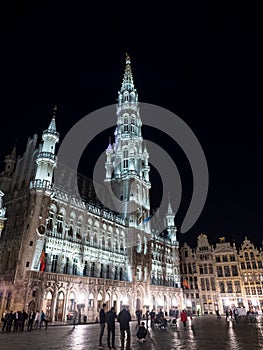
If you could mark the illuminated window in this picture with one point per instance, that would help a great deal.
(237, 286)
(222, 287)
(234, 270)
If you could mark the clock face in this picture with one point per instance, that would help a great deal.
(41, 229)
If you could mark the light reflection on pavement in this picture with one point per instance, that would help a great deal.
(205, 333)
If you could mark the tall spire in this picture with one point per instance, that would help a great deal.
(169, 209)
(128, 92)
(127, 82)
(52, 125)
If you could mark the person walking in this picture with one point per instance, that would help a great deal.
(218, 314)
(184, 318)
(43, 319)
(227, 315)
(102, 324)
(124, 318)
(110, 320)
(75, 316)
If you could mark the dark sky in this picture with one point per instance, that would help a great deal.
(201, 60)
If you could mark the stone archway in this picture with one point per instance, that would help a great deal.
(32, 306)
(59, 307)
(48, 306)
(138, 304)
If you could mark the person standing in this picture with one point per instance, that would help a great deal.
(124, 318)
(138, 316)
(152, 317)
(110, 320)
(184, 318)
(22, 319)
(102, 324)
(235, 312)
(16, 316)
(4, 320)
(147, 314)
(37, 319)
(31, 318)
(10, 318)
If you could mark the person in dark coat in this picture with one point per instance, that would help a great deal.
(141, 333)
(124, 318)
(4, 320)
(22, 319)
(9, 321)
(31, 319)
(102, 324)
(110, 320)
(138, 314)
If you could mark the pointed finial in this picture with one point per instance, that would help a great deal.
(54, 111)
(109, 148)
(169, 210)
(128, 60)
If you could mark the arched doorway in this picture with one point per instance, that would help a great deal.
(154, 303)
(114, 301)
(48, 305)
(31, 306)
(72, 302)
(99, 302)
(138, 304)
(165, 304)
(59, 307)
(107, 300)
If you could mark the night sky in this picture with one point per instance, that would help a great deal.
(203, 61)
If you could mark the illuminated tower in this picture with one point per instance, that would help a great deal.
(127, 169)
(46, 159)
(171, 228)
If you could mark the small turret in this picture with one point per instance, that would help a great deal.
(171, 228)
(46, 159)
(109, 164)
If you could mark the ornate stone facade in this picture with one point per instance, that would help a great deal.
(222, 276)
(58, 252)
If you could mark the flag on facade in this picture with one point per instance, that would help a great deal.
(186, 284)
(43, 260)
(147, 219)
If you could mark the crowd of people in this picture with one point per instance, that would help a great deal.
(150, 319)
(16, 321)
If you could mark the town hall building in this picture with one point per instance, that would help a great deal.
(59, 253)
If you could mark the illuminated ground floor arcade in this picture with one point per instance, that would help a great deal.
(58, 295)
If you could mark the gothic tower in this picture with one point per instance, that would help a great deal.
(127, 169)
(127, 172)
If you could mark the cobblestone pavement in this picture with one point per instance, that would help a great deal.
(206, 333)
